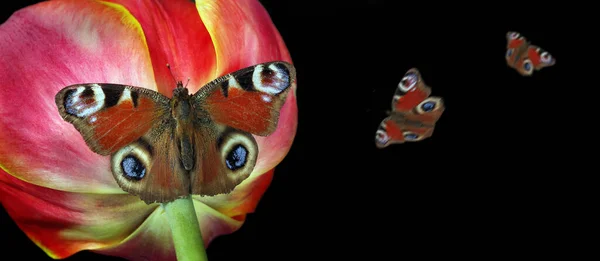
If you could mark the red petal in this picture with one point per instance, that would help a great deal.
(175, 35)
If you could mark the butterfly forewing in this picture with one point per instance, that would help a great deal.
(249, 99)
(110, 116)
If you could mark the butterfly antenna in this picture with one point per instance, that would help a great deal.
(187, 83)
(169, 67)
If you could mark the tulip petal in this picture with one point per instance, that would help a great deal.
(63, 223)
(153, 239)
(48, 46)
(175, 35)
(244, 35)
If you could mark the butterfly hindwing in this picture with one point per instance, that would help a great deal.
(396, 129)
(227, 157)
(151, 167)
(524, 57)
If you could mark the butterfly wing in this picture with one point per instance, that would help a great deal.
(248, 99)
(410, 92)
(397, 129)
(539, 57)
(134, 126)
(110, 116)
(516, 49)
(229, 110)
(413, 115)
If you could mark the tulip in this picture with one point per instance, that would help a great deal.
(63, 195)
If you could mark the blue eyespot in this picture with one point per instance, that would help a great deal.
(428, 106)
(237, 157)
(133, 168)
(509, 53)
(411, 136)
(527, 66)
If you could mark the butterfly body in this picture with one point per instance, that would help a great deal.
(164, 148)
(525, 57)
(413, 114)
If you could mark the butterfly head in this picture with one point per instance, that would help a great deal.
(181, 103)
(179, 83)
(180, 91)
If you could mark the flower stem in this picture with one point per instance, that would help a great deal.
(185, 228)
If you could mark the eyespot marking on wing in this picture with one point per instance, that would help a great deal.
(272, 79)
(428, 105)
(411, 136)
(527, 66)
(381, 137)
(132, 162)
(408, 82)
(84, 101)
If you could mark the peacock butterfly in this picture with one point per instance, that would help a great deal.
(413, 114)
(164, 148)
(524, 57)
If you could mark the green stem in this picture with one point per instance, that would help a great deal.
(187, 236)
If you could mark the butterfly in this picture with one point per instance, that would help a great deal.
(413, 114)
(524, 57)
(165, 148)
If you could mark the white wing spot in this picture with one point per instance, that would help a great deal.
(256, 77)
(234, 83)
(125, 96)
(266, 98)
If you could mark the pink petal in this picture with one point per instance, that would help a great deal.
(175, 35)
(63, 223)
(44, 48)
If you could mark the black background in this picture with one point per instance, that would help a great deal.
(479, 187)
